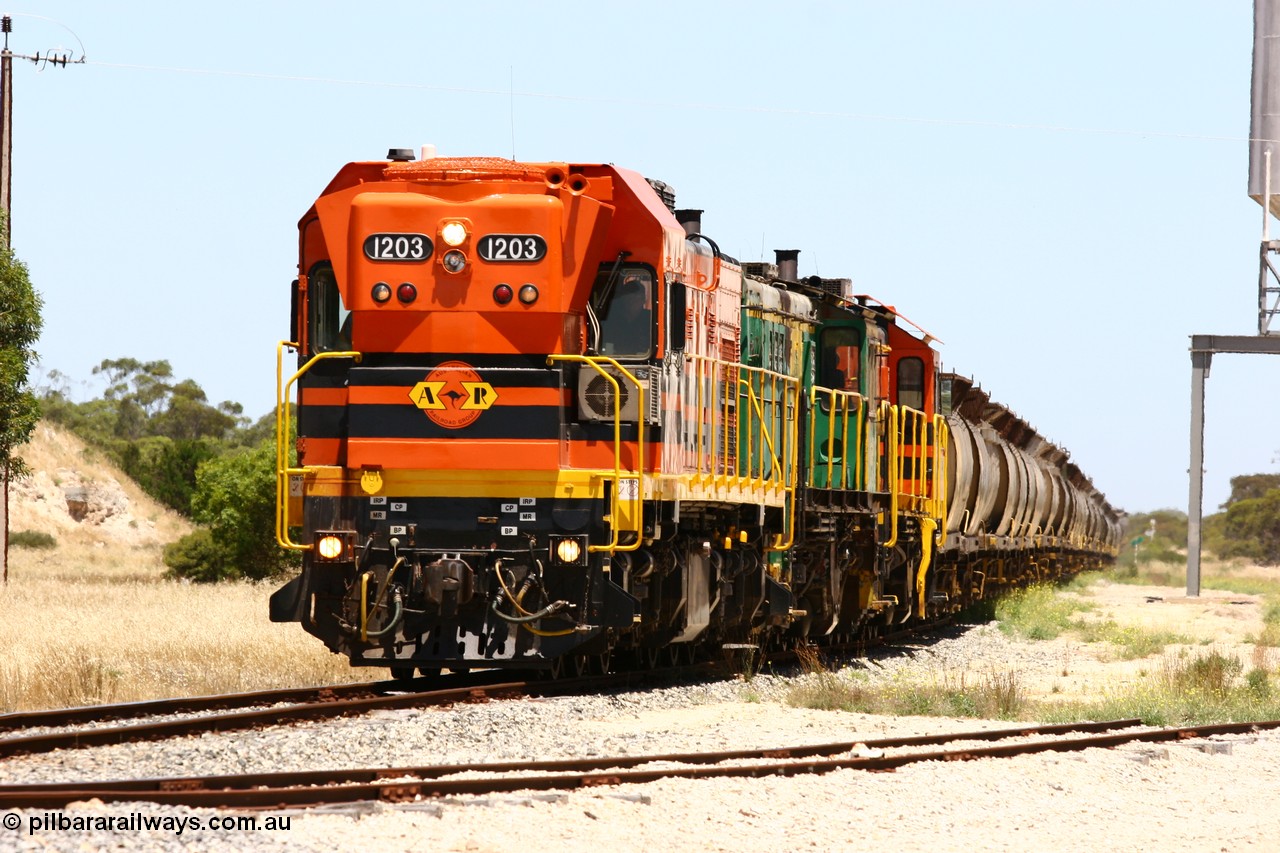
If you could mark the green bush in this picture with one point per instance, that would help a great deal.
(1037, 612)
(1170, 526)
(197, 557)
(235, 499)
(166, 468)
(1252, 529)
(32, 539)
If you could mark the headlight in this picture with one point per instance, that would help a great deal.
(569, 550)
(334, 545)
(453, 233)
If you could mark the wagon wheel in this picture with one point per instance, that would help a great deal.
(402, 673)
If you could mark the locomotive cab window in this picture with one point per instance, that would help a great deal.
(840, 359)
(626, 313)
(911, 383)
(328, 320)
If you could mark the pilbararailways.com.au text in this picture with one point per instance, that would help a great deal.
(138, 822)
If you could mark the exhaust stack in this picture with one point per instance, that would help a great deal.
(788, 264)
(691, 220)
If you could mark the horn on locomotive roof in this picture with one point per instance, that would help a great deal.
(788, 264)
(691, 219)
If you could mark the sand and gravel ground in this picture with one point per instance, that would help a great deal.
(1169, 797)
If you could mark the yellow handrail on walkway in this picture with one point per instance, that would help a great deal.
(891, 424)
(838, 401)
(637, 500)
(283, 471)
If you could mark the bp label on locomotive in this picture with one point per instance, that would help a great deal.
(453, 395)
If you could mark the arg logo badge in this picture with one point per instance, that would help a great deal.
(452, 395)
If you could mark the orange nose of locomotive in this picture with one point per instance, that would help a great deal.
(437, 265)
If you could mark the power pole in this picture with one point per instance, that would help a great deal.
(55, 58)
(6, 185)
(6, 126)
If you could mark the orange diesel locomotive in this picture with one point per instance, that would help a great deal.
(543, 422)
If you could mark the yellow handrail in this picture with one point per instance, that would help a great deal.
(941, 475)
(282, 436)
(767, 440)
(757, 425)
(615, 532)
(925, 490)
(892, 453)
(838, 400)
(791, 388)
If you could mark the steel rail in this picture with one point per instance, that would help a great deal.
(155, 707)
(484, 687)
(393, 789)
(311, 778)
(79, 738)
(19, 720)
(397, 784)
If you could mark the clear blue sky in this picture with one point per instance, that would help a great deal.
(1056, 190)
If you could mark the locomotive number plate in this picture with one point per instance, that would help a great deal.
(505, 248)
(397, 247)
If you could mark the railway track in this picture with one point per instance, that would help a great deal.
(88, 726)
(409, 784)
(240, 711)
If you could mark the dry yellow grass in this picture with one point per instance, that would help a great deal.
(84, 625)
(94, 620)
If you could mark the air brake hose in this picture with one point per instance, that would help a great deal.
(525, 619)
(550, 610)
(396, 616)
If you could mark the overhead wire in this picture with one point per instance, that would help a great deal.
(511, 94)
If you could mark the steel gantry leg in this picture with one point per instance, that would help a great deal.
(1203, 348)
(1200, 362)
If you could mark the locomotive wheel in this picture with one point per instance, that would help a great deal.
(556, 672)
(576, 666)
(680, 654)
(600, 663)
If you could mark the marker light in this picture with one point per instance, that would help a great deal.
(329, 547)
(453, 233)
(381, 292)
(406, 293)
(528, 294)
(454, 261)
(502, 294)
